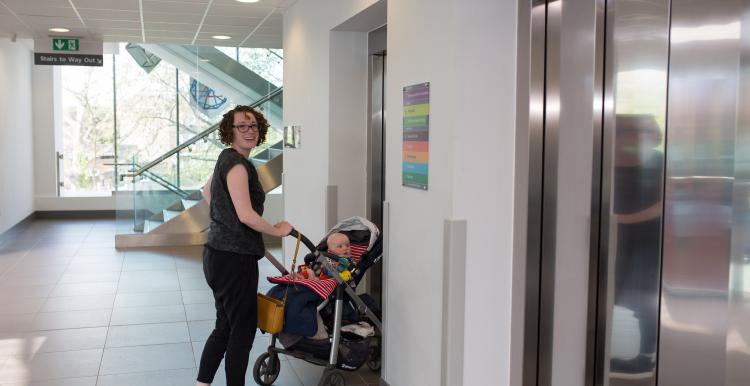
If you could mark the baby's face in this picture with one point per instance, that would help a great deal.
(339, 246)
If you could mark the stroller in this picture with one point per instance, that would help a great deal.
(342, 350)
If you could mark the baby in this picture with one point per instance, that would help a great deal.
(338, 244)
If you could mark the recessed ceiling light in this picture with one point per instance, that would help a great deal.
(59, 29)
(221, 37)
(205, 60)
(248, 1)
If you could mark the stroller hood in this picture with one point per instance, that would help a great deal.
(351, 224)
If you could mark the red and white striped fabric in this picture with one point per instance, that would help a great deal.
(323, 287)
(357, 251)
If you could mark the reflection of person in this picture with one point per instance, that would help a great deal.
(638, 182)
(234, 246)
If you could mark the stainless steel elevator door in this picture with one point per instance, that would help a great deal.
(701, 195)
(632, 191)
(376, 145)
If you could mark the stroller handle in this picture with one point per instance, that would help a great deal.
(294, 233)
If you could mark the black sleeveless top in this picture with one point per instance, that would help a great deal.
(227, 233)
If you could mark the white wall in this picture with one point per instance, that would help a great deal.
(16, 154)
(421, 45)
(348, 121)
(483, 167)
(307, 95)
(467, 53)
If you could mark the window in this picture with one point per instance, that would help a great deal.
(88, 130)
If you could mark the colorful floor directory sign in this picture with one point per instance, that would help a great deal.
(416, 135)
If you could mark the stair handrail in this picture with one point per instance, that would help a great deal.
(159, 180)
(195, 139)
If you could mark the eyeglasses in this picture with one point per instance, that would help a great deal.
(245, 128)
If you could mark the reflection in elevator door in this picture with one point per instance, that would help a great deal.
(670, 229)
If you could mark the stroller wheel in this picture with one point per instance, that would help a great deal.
(373, 358)
(332, 378)
(267, 368)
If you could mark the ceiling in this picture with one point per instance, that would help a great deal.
(149, 21)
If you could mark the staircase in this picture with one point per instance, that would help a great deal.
(161, 213)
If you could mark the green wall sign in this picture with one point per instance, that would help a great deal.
(63, 44)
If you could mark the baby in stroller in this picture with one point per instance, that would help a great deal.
(338, 245)
(320, 307)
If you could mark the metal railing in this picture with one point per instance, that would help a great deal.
(195, 139)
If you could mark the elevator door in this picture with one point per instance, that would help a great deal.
(674, 196)
(376, 146)
(670, 193)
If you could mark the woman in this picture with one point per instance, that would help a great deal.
(234, 246)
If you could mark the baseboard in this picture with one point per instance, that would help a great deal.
(383, 382)
(74, 214)
(19, 227)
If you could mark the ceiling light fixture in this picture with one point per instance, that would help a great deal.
(58, 29)
(248, 1)
(221, 37)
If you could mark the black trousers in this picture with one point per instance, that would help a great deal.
(234, 280)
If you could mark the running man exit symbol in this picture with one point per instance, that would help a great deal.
(65, 44)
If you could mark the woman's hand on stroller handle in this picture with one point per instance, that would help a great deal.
(284, 228)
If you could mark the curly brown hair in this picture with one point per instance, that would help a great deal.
(226, 134)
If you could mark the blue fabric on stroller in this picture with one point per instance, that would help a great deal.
(300, 310)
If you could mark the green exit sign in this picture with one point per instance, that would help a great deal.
(62, 44)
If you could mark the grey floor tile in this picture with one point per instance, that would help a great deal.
(197, 297)
(194, 283)
(30, 280)
(17, 345)
(83, 289)
(52, 251)
(147, 358)
(308, 373)
(147, 263)
(142, 315)
(14, 306)
(85, 381)
(47, 366)
(90, 277)
(182, 262)
(70, 319)
(147, 334)
(16, 323)
(181, 377)
(98, 259)
(68, 339)
(79, 303)
(30, 292)
(146, 299)
(89, 251)
(31, 271)
(148, 281)
(34, 262)
(202, 311)
(93, 268)
(200, 329)
(191, 272)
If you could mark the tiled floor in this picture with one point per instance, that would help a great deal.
(74, 311)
